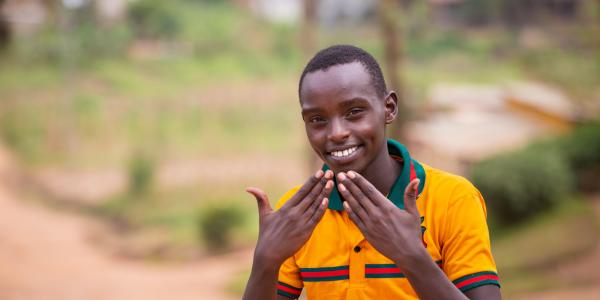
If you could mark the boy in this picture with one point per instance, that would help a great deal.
(385, 226)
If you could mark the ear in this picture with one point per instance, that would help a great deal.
(391, 107)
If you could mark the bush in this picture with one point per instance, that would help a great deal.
(154, 19)
(141, 174)
(216, 224)
(581, 150)
(520, 184)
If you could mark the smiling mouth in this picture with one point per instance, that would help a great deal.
(344, 152)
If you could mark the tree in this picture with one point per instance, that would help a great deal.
(389, 22)
(4, 30)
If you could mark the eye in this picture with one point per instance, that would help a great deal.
(355, 112)
(316, 119)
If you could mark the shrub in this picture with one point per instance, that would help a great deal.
(141, 174)
(216, 224)
(581, 149)
(519, 184)
(154, 19)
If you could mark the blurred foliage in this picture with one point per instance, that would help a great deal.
(141, 174)
(154, 19)
(527, 255)
(217, 222)
(581, 149)
(520, 184)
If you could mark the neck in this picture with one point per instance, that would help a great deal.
(378, 172)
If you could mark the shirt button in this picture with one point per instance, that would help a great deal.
(357, 249)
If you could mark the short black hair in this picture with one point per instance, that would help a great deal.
(345, 54)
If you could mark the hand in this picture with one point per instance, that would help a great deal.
(395, 233)
(282, 232)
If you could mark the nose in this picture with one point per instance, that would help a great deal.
(338, 132)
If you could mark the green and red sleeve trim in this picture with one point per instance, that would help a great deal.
(287, 290)
(325, 274)
(474, 280)
(386, 270)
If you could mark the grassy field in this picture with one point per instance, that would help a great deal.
(528, 256)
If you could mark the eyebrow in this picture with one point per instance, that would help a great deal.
(343, 103)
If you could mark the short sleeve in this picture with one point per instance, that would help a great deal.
(289, 283)
(466, 250)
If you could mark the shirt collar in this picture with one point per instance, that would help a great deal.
(409, 171)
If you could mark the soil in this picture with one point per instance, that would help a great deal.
(47, 254)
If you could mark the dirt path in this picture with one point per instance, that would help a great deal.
(45, 254)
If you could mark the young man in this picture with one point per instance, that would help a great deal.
(385, 226)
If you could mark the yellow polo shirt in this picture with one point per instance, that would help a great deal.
(337, 262)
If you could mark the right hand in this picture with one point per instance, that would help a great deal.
(282, 232)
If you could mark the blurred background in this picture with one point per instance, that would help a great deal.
(130, 128)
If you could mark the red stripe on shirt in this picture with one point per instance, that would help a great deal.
(324, 273)
(288, 290)
(382, 270)
(476, 279)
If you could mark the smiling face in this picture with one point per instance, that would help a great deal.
(345, 118)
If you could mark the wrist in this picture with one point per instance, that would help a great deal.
(414, 260)
(266, 260)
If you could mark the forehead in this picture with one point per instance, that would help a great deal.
(344, 81)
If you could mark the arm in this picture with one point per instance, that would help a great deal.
(292, 223)
(423, 274)
(262, 282)
(379, 219)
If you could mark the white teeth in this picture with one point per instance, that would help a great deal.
(343, 153)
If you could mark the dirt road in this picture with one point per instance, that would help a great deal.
(46, 254)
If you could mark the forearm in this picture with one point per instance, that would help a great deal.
(428, 280)
(263, 281)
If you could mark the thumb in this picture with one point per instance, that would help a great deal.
(262, 200)
(410, 197)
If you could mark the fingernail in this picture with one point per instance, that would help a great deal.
(319, 174)
(329, 174)
(341, 176)
(329, 184)
(351, 174)
(341, 187)
(346, 205)
(324, 202)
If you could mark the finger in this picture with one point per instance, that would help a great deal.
(367, 188)
(314, 193)
(315, 202)
(362, 199)
(410, 197)
(305, 189)
(318, 214)
(357, 208)
(355, 218)
(262, 200)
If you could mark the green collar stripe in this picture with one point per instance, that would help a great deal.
(409, 172)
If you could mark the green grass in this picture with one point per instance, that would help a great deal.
(526, 255)
(178, 211)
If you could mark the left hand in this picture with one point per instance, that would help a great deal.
(395, 233)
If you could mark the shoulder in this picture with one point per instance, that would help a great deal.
(453, 188)
(289, 194)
